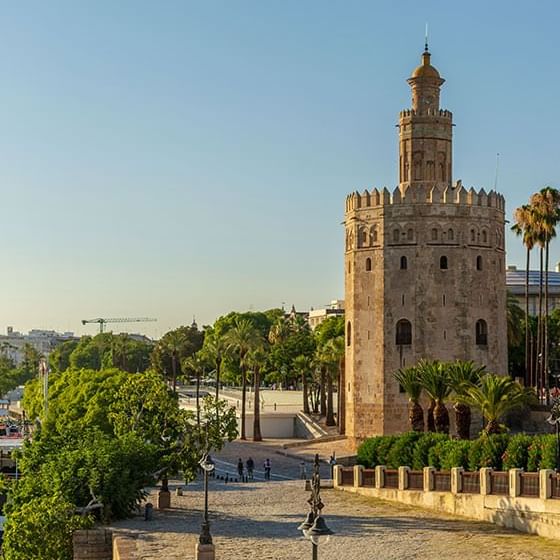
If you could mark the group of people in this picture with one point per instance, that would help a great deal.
(249, 467)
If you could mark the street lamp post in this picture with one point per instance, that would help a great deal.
(314, 525)
(207, 466)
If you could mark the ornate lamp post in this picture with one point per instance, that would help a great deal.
(314, 525)
(207, 466)
(554, 419)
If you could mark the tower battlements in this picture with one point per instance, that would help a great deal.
(443, 113)
(425, 194)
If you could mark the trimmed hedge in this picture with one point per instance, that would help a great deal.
(419, 450)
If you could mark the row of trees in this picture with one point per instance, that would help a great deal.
(466, 385)
(536, 223)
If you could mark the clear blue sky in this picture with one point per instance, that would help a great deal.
(177, 158)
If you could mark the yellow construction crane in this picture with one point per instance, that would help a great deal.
(102, 322)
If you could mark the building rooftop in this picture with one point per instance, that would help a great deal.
(516, 277)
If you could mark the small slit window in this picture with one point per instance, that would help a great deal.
(368, 264)
(404, 263)
(404, 332)
(479, 263)
(473, 235)
(348, 334)
(374, 234)
(481, 331)
(450, 234)
(443, 263)
(484, 236)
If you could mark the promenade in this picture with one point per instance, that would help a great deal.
(259, 520)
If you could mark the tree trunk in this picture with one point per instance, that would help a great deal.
(257, 436)
(416, 416)
(493, 427)
(462, 420)
(539, 329)
(528, 376)
(330, 408)
(174, 368)
(243, 399)
(305, 395)
(545, 336)
(322, 394)
(315, 399)
(430, 424)
(198, 397)
(441, 418)
(218, 366)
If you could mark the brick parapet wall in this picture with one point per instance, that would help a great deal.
(93, 544)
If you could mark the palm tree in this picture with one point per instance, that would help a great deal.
(196, 365)
(462, 376)
(409, 380)
(435, 381)
(494, 396)
(216, 349)
(546, 204)
(515, 320)
(243, 337)
(175, 342)
(257, 360)
(524, 226)
(303, 365)
(329, 361)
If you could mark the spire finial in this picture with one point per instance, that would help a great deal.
(426, 38)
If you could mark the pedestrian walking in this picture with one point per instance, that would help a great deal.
(250, 468)
(302, 471)
(267, 469)
(240, 469)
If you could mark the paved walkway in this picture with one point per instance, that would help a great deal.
(259, 520)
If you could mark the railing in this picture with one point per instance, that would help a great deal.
(555, 486)
(529, 485)
(415, 480)
(470, 482)
(347, 477)
(368, 478)
(499, 483)
(391, 479)
(442, 481)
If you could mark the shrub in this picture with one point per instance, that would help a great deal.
(367, 452)
(450, 453)
(422, 448)
(384, 448)
(487, 451)
(548, 453)
(517, 452)
(402, 449)
(534, 454)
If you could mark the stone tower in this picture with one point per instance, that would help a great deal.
(424, 269)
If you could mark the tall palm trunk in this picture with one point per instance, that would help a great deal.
(305, 393)
(198, 398)
(539, 328)
(243, 400)
(416, 416)
(218, 366)
(257, 436)
(174, 369)
(528, 369)
(545, 337)
(330, 408)
(341, 402)
(492, 427)
(322, 393)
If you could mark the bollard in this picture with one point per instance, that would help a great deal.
(275, 407)
(178, 491)
(148, 512)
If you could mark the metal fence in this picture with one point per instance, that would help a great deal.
(368, 478)
(499, 483)
(391, 478)
(347, 476)
(470, 482)
(442, 481)
(416, 480)
(555, 486)
(530, 485)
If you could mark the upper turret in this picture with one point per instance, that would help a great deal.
(425, 82)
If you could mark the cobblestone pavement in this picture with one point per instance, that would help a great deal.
(259, 520)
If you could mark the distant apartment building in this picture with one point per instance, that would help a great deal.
(515, 281)
(317, 316)
(44, 341)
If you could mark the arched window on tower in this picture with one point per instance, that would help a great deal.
(404, 332)
(450, 235)
(443, 263)
(479, 263)
(368, 264)
(396, 235)
(434, 234)
(484, 236)
(473, 236)
(481, 332)
(373, 235)
(348, 333)
(410, 234)
(404, 263)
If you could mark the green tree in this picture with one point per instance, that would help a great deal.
(257, 361)
(59, 358)
(494, 396)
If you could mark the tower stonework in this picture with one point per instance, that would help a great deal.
(424, 269)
